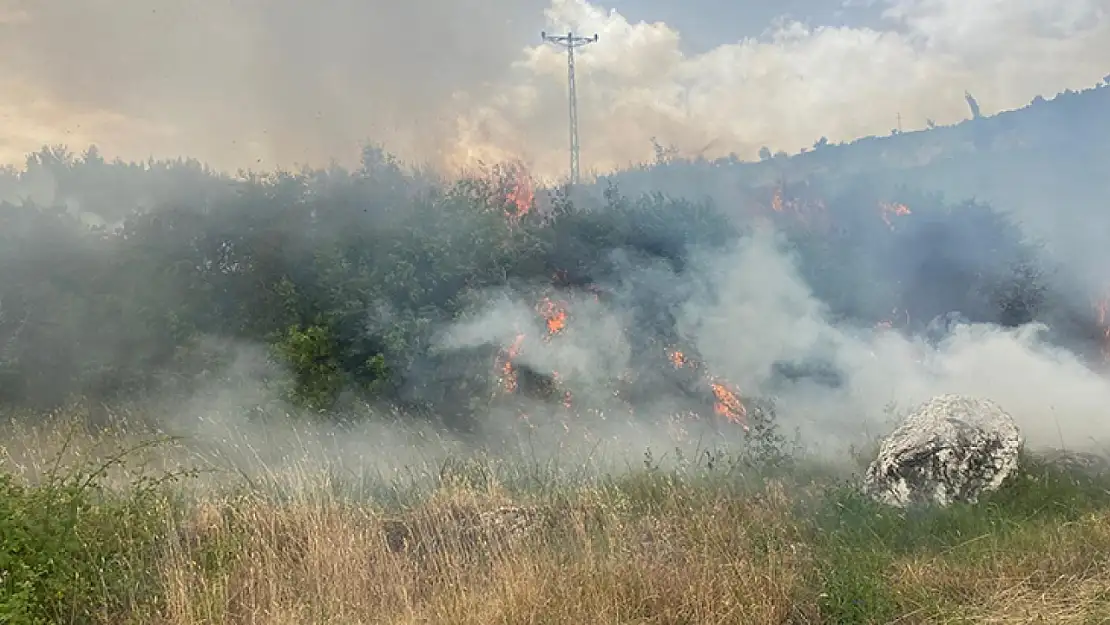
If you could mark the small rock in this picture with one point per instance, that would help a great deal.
(950, 449)
(1083, 463)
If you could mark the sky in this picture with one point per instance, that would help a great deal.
(454, 83)
(705, 24)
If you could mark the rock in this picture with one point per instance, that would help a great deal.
(950, 449)
(1078, 462)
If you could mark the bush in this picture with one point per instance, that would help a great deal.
(73, 551)
(347, 275)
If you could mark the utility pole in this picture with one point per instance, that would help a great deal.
(570, 42)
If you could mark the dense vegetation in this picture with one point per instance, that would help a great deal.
(125, 279)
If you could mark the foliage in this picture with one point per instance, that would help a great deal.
(348, 275)
(72, 550)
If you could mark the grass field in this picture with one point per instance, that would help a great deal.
(101, 537)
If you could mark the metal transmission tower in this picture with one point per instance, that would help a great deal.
(570, 42)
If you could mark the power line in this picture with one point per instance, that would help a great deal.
(570, 42)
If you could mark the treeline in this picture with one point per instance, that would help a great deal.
(345, 276)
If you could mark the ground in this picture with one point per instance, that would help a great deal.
(493, 541)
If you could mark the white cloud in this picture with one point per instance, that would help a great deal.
(798, 83)
(283, 81)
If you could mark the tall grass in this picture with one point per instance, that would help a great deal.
(94, 536)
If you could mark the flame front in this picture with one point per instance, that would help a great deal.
(554, 315)
(888, 324)
(728, 404)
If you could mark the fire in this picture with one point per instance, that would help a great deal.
(508, 371)
(521, 194)
(776, 200)
(555, 316)
(728, 404)
(889, 211)
(799, 204)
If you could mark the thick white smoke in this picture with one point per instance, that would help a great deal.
(755, 310)
(263, 84)
(797, 83)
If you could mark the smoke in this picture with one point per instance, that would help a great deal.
(749, 312)
(260, 84)
(250, 82)
(767, 314)
(797, 83)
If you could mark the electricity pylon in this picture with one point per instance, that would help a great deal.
(570, 42)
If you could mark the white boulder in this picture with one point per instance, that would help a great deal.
(950, 449)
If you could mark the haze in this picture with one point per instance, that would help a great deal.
(279, 83)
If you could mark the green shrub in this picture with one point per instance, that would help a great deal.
(73, 551)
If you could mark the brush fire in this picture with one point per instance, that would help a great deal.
(728, 406)
(520, 192)
(555, 317)
(727, 403)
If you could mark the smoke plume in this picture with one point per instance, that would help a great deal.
(450, 83)
(749, 312)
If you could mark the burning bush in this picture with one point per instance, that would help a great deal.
(349, 276)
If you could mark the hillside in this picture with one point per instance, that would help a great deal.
(379, 395)
(1045, 164)
(1072, 124)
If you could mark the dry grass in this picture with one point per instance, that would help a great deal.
(322, 561)
(648, 546)
(1044, 573)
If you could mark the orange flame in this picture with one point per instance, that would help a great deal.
(728, 404)
(508, 371)
(810, 212)
(889, 211)
(521, 194)
(555, 316)
(568, 399)
(776, 200)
